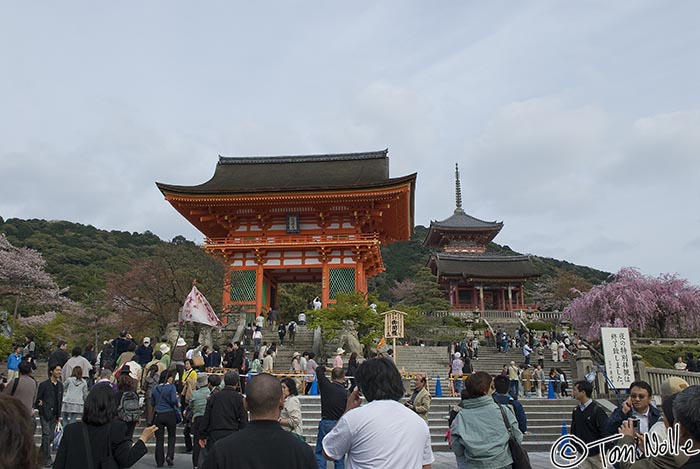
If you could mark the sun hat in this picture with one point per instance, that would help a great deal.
(457, 354)
(164, 348)
(181, 342)
(340, 351)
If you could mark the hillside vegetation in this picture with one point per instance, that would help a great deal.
(117, 278)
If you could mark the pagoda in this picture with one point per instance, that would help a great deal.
(297, 219)
(473, 278)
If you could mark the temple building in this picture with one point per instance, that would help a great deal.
(473, 278)
(297, 219)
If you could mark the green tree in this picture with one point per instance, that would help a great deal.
(151, 293)
(421, 291)
(353, 306)
(292, 298)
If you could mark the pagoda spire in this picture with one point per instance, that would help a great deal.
(458, 191)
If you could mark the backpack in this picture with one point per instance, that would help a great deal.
(292, 327)
(129, 409)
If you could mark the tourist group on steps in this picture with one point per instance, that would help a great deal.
(90, 404)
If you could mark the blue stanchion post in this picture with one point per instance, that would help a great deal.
(550, 393)
(438, 387)
(314, 389)
(564, 431)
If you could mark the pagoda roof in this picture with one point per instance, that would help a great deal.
(462, 221)
(250, 175)
(483, 266)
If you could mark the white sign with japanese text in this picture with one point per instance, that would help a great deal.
(618, 355)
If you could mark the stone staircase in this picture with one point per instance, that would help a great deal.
(545, 417)
(303, 342)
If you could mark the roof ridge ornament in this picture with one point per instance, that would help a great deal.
(458, 191)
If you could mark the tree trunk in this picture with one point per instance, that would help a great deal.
(16, 306)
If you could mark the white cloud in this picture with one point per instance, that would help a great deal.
(577, 125)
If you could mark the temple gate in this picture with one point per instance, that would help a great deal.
(297, 219)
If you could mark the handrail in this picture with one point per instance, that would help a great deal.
(291, 239)
(601, 368)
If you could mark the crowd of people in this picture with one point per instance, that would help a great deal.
(526, 378)
(97, 398)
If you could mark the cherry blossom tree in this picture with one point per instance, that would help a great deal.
(664, 306)
(22, 275)
(151, 293)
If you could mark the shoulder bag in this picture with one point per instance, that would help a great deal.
(521, 460)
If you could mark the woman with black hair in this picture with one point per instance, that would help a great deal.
(100, 437)
(165, 403)
(17, 438)
(290, 418)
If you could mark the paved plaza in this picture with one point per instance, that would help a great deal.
(442, 461)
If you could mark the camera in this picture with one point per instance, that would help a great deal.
(635, 424)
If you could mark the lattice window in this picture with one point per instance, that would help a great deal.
(341, 280)
(243, 285)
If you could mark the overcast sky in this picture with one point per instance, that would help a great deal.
(577, 124)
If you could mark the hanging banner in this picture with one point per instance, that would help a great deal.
(618, 356)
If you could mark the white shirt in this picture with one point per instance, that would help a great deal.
(643, 420)
(302, 317)
(382, 434)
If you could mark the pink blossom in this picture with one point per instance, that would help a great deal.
(666, 306)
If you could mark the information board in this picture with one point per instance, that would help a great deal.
(618, 356)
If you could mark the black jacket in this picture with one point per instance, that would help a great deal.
(617, 417)
(693, 463)
(589, 424)
(120, 345)
(518, 411)
(143, 354)
(223, 415)
(236, 359)
(262, 444)
(50, 402)
(72, 453)
(58, 357)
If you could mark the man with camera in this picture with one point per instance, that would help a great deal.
(638, 406)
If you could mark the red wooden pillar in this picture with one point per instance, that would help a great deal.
(360, 280)
(226, 299)
(259, 276)
(481, 298)
(325, 286)
(522, 297)
(510, 298)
